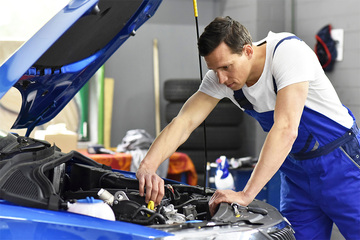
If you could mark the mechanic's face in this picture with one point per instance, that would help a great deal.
(231, 69)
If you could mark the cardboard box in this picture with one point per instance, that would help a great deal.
(66, 142)
(60, 136)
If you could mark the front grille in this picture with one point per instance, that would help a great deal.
(287, 233)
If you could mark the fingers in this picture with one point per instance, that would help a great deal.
(141, 185)
(158, 192)
(215, 200)
(149, 190)
(141, 178)
(154, 187)
(220, 196)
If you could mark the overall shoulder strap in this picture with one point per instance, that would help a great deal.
(282, 40)
(242, 100)
(239, 95)
(277, 45)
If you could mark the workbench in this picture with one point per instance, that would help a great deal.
(181, 167)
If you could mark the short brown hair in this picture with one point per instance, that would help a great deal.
(224, 29)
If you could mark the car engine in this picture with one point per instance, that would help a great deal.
(35, 174)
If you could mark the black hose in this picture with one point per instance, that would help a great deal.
(153, 214)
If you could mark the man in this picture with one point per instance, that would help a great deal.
(312, 138)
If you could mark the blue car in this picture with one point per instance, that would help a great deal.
(48, 194)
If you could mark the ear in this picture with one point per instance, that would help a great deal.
(248, 51)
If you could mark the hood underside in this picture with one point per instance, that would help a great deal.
(54, 64)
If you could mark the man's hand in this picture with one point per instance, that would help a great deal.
(228, 196)
(153, 183)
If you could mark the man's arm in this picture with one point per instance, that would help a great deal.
(192, 114)
(278, 143)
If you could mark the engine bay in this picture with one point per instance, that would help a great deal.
(181, 203)
(35, 174)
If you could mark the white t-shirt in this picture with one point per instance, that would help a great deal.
(292, 62)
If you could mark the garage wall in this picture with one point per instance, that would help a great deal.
(258, 16)
(132, 65)
(310, 16)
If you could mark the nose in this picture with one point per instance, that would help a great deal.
(222, 77)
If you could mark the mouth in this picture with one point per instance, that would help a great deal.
(230, 85)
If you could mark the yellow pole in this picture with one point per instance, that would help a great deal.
(195, 8)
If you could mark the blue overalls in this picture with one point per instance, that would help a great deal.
(320, 178)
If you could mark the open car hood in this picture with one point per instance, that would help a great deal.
(54, 64)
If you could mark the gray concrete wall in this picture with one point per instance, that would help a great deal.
(131, 66)
(311, 16)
